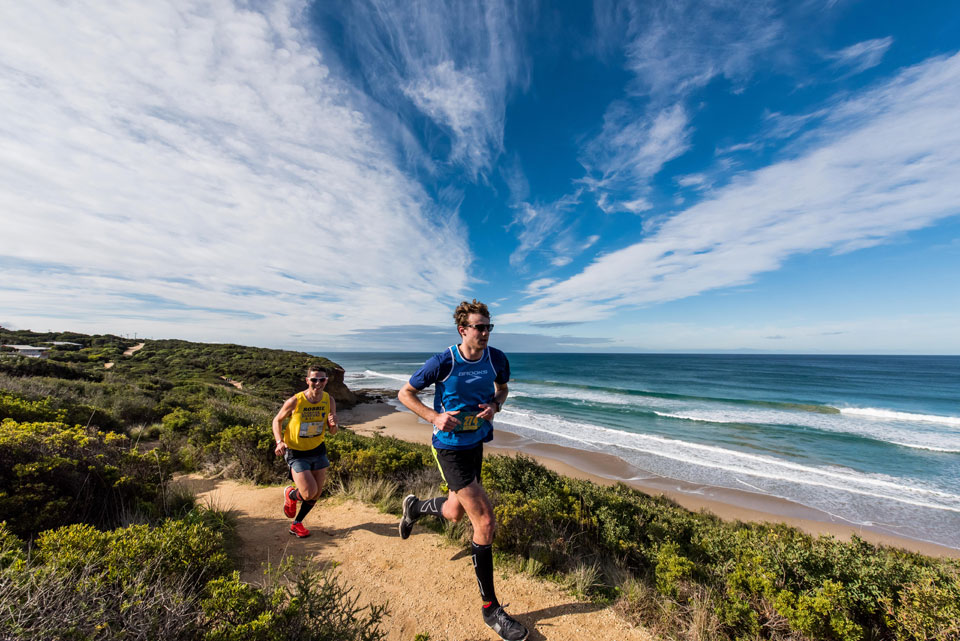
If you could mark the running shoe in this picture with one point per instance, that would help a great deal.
(503, 624)
(299, 531)
(408, 519)
(289, 505)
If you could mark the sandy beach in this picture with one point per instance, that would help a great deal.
(379, 417)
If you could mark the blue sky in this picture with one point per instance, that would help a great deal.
(614, 176)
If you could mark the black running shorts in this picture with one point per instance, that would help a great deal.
(459, 468)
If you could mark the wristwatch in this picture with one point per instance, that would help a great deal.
(499, 404)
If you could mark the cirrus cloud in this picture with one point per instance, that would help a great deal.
(198, 163)
(881, 163)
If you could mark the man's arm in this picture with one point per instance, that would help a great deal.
(285, 411)
(445, 421)
(499, 398)
(332, 417)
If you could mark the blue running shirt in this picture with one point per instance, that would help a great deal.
(462, 385)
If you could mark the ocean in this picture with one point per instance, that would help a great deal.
(873, 441)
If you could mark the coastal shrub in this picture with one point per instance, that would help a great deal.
(821, 613)
(53, 474)
(927, 609)
(308, 604)
(352, 455)
(137, 582)
(11, 551)
(173, 581)
(44, 367)
(16, 407)
(249, 451)
(673, 571)
(180, 420)
(81, 402)
(191, 547)
(735, 580)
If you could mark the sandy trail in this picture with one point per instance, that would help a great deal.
(133, 349)
(428, 583)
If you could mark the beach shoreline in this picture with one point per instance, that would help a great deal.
(376, 416)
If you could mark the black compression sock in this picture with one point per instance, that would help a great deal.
(432, 506)
(483, 566)
(305, 508)
(295, 495)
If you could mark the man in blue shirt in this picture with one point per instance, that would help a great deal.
(470, 386)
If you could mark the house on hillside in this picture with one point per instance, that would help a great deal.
(63, 344)
(29, 350)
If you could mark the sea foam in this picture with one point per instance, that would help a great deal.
(890, 415)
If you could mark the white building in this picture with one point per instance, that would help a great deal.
(30, 350)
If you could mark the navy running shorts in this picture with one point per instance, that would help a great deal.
(301, 461)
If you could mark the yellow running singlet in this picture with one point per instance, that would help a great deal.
(308, 423)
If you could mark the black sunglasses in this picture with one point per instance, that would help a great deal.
(317, 380)
(482, 327)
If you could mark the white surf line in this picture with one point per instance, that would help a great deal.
(892, 415)
(842, 478)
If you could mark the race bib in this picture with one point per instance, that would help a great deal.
(308, 430)
(469, 423)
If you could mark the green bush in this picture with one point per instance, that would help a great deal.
(757, 580)
(180, 420)
(11, 551)
(16, 407)
(77, 402)
(672, 571)
(190, 547)
(357, 456)
(22, 366)
(173, 581)
(53, 474)
(308, 605)
(251, 450)
(928, 609)
(129, 583)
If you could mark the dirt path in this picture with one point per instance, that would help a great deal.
(236, 384)
(130, 351)
(428, 583)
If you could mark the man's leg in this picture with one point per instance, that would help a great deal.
(477, 505)
(444, 507)
(305, 490)
(479, 510)
(306, 485)
(315, 481)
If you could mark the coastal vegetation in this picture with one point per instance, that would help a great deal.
(97, 544)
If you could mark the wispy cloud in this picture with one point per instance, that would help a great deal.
(544, 229)
(863, 55)
(677, 46)
(454, 62)
(631, 150)
(672, 48)
(203, 154)
(697, 181)
(880, 164)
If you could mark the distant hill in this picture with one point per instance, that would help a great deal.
(268, 374)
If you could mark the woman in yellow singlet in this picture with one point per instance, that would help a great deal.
(313, 415)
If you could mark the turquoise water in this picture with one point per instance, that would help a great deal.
(870, 440)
